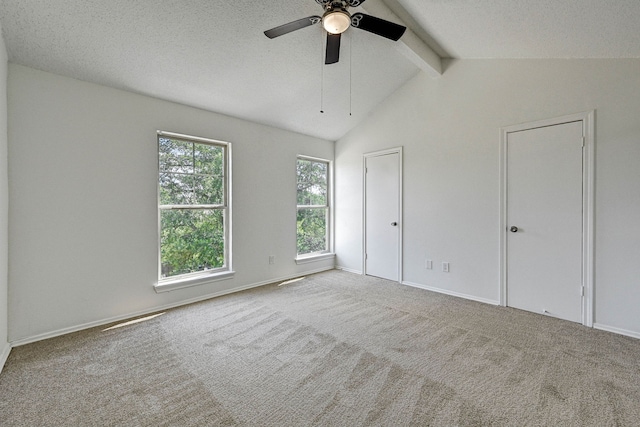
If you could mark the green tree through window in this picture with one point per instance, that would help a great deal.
(192, 204)
(313, 206)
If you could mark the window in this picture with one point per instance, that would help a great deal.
(193, 193)
(313, 222)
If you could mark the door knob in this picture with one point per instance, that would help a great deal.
(394, 224)
(514, 229)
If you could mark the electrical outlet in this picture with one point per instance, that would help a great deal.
(445, 267)
(272, 259)
(428, 264)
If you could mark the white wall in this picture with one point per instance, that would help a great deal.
(449, 128)
(4, 206)
(83, 206)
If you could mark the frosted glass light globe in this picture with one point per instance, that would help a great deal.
(336, 21)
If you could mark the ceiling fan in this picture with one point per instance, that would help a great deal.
(336, 20)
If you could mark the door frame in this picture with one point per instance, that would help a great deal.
(588, 133)
(395, 150)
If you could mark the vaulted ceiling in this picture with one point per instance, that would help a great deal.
(213, 54)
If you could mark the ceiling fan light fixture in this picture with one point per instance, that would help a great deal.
(336, 21)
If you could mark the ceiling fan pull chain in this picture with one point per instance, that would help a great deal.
(350, 71)
(322, 72)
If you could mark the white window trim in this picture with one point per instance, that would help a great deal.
(193, 279)
(315, 256)
(208, 276)
(329, 252)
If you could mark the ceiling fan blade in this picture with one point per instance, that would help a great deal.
(355, 3)
(292, 26)
(377, 26)
(333, 49)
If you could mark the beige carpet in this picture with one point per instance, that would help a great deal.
(333, 349)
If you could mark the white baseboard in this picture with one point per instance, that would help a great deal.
(64, 331)
(452, 293)
(625, 332)
(348, 270)
(4, 355)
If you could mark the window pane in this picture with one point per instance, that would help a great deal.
(176, 189)
(191, 173)
(208, 190)
(312, 230)
(175, 155)
(191, 240)
(312, 182)
(208, 159)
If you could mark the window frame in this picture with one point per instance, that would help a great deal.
(205, 276)
(328, 206)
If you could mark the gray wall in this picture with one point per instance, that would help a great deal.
(83, 204)
(449, 128)
(4, 206)
(83, 197)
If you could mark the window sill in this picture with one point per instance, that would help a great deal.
(315, 257)
(186, 282)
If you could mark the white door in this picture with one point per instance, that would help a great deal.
(544, 220)
(382, 215)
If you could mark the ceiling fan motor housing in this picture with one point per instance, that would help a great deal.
(339, 4)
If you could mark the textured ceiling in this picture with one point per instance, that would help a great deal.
(529, 28)
(210, 54)
(213, 54)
